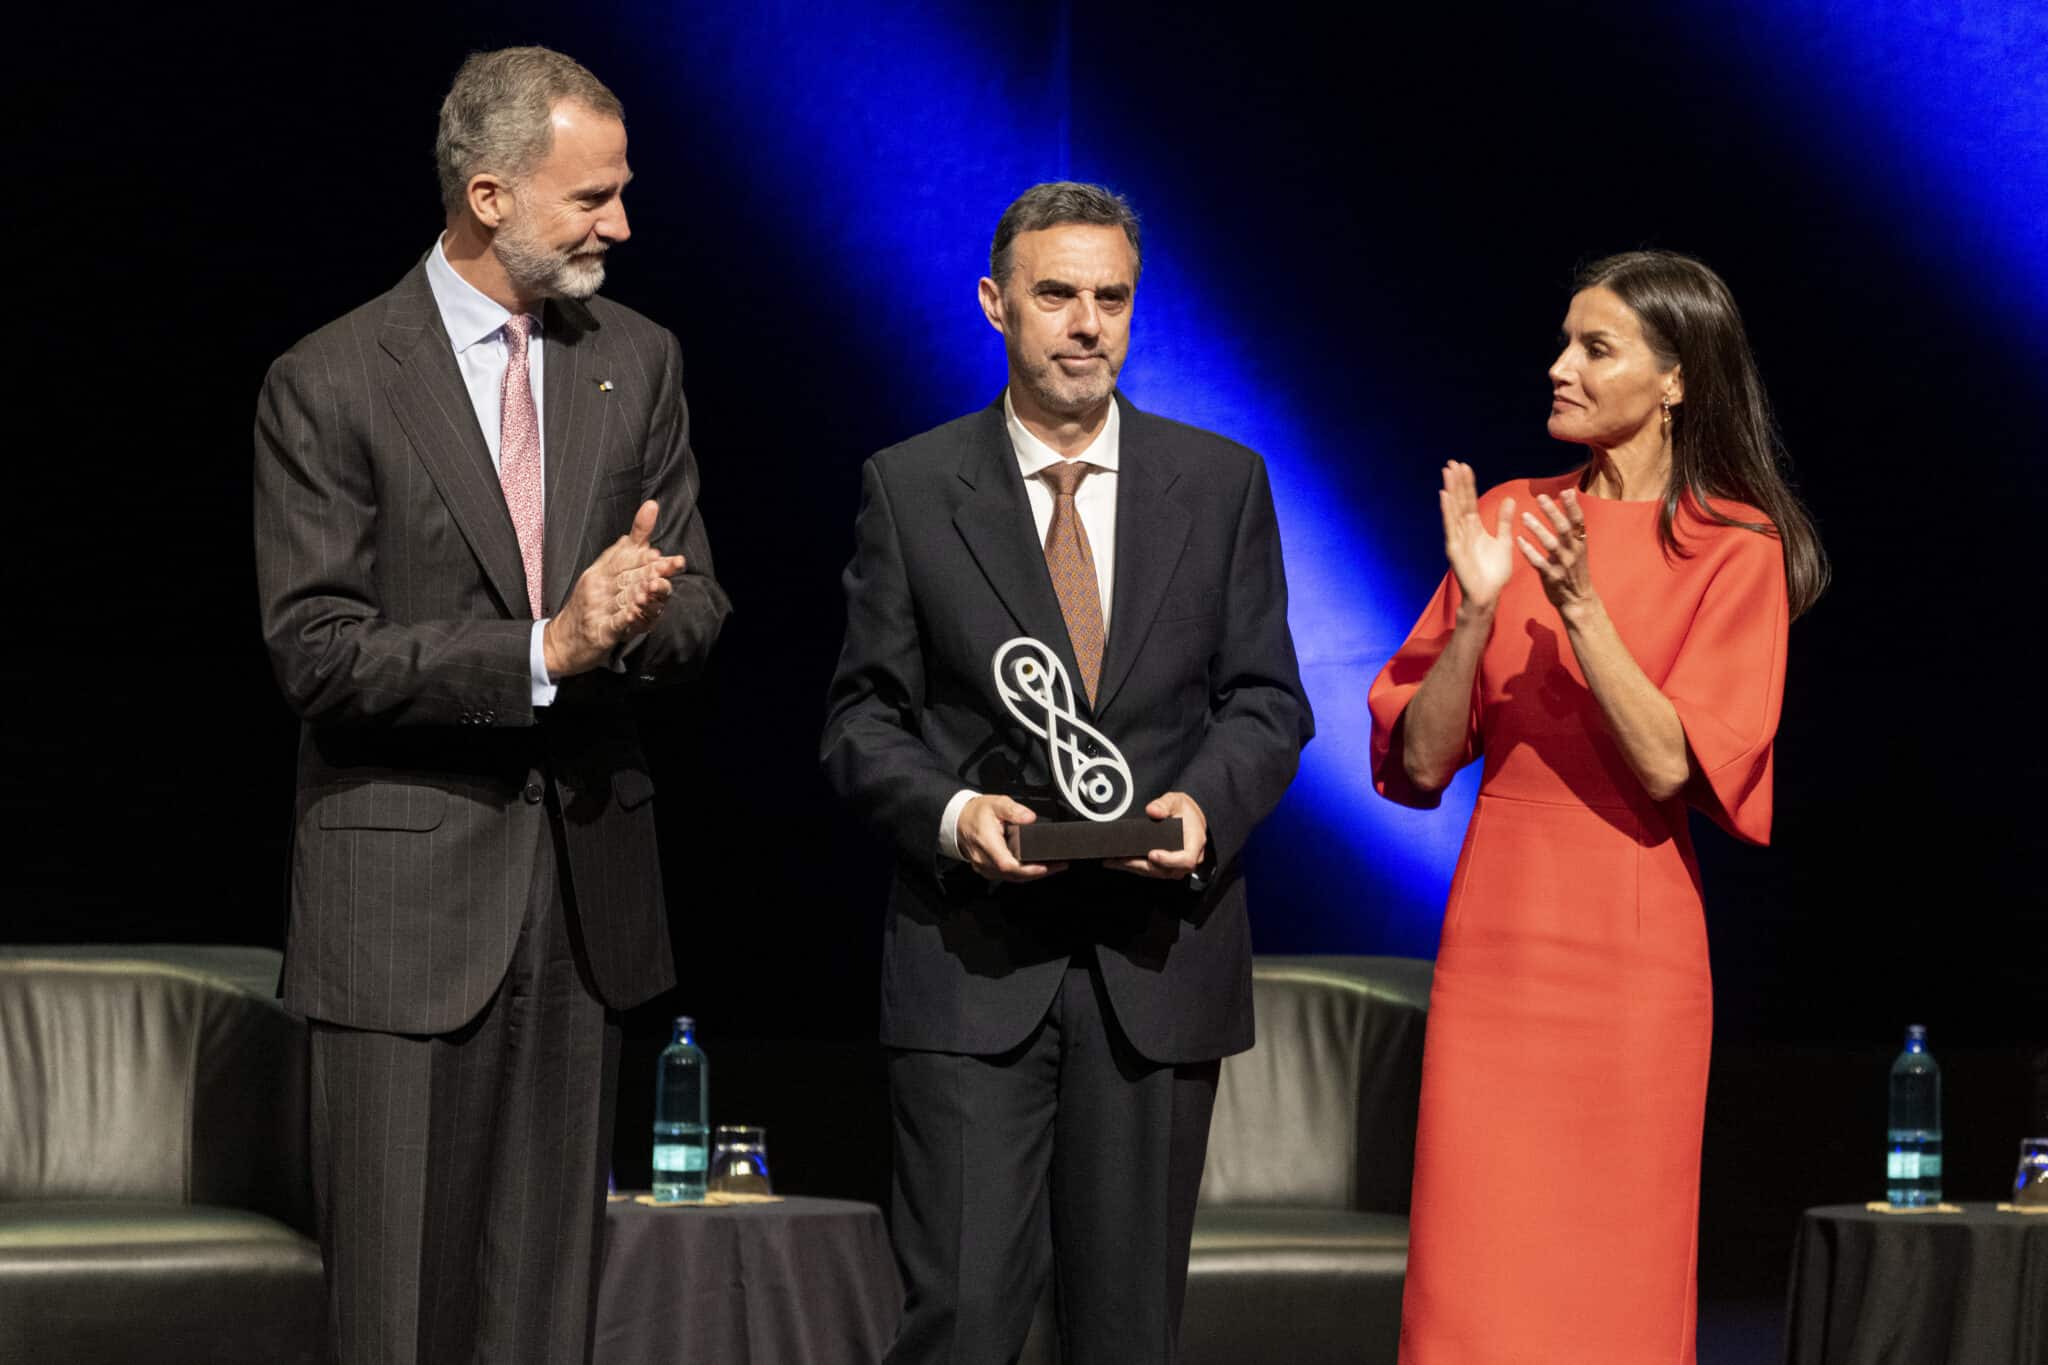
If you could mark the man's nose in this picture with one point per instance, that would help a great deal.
(613, 226)
(1086, 320)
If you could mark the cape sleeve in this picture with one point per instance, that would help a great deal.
(1727, 684)
(1398, 683)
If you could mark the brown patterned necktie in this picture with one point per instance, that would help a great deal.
(1072, 565)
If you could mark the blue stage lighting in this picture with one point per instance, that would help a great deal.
(1939, 110)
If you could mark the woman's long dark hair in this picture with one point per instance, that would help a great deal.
(1723, 441)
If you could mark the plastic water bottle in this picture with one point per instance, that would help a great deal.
(1912, 1168)
(682, 1097)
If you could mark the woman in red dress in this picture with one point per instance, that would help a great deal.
(1614, 654)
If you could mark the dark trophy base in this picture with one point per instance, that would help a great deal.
(1080, 841)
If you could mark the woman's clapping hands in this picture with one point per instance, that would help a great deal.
(1481, 560)
(1559, 554)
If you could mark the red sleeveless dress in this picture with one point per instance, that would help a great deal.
(1556, 1198)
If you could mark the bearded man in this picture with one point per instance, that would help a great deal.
(1054, 1032)
(476, 536)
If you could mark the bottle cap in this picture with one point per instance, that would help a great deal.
(1916, 1033)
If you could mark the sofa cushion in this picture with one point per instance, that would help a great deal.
(123, 1280)
(129, 1079)
(1321, 1113)
(1303, 1241)
(1304, 1286)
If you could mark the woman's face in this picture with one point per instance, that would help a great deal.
(1605, 386)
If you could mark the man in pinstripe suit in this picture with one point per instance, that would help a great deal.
(476, 536)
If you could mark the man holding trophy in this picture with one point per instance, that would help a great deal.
(1060, 611)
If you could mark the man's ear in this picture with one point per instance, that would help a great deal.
(991, 303)
(489, 199)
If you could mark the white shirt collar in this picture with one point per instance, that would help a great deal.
(469, 314)
(1034, 455)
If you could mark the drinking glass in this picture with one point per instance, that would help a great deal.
(739, 1160)
(2030, 1184)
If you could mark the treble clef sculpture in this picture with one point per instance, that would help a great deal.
(1033, 685)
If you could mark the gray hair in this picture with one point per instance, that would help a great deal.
(1056, 202)
(497, 116)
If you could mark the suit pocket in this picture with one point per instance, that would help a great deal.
(631, 787)
(381, 805)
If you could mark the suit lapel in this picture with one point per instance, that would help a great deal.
(576, 417)
(995, 521)
(1151, 533)
(433, 407)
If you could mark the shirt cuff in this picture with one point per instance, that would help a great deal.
(537, 667)
(949, 823)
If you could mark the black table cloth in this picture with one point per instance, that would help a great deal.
(801, 1282)
(1871, 1288)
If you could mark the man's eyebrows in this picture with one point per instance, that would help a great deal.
(602, 189)
(1117, 288)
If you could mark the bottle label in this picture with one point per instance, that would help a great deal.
(679, 1156)
(1912, 1166)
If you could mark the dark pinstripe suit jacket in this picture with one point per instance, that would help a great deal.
(395, 611)
(1199, 689)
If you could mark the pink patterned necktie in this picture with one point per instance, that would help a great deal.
(1072, 565)
(519, 454)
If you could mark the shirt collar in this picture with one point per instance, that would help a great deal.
(1034, 455)
(469, 314)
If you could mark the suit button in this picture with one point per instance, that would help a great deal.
(532, 793)
(490, 717)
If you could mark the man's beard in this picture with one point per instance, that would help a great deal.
(1065, 394)
(540, 271)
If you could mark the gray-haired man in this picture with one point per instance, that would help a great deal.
(476, 534)
(1054, 1033)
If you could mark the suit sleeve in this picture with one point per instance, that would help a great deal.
(681, 640)
(1259, 716)
(337, 657)
(871, 752)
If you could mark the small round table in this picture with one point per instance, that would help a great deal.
(798, 1282)
(1969, 1288)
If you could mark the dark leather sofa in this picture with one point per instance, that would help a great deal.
(1301, 1238)
(155, 1205)
(154, 1196)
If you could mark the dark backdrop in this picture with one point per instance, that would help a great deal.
(1359, 243)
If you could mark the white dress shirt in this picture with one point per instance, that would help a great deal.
(475, 324)
(1095, 500)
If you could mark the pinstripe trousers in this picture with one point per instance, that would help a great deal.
(460, 1177)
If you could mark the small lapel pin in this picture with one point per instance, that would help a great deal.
(604, 386)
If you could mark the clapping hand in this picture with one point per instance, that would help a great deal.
(1561, 561)
(1481, 562)
(619, 596)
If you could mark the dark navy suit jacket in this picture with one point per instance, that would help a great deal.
(1199, 689)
